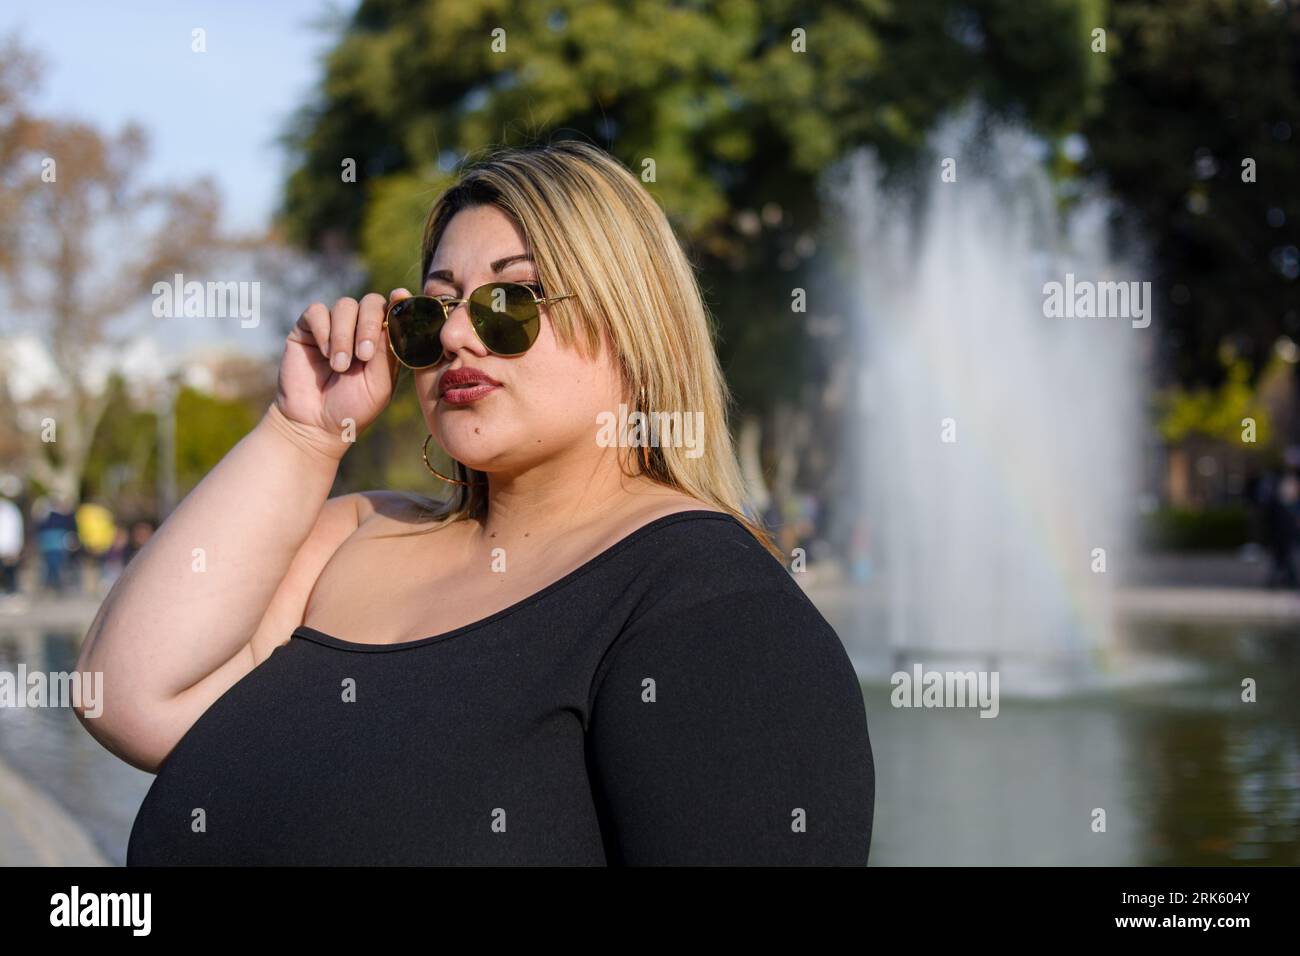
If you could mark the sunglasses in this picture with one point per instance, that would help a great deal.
(506, 318)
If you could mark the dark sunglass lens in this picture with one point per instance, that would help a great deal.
(415, 328)
(505, 316)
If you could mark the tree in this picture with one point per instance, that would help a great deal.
(1197, 137)
(83, 239)
(207, 428)
(1219, 413)
(741, 105)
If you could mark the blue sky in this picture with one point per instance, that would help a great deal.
(216, 113)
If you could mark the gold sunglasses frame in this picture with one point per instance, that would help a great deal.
(450, 305)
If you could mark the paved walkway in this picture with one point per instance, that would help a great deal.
(1203, 587)
(1210, 604)
(35, 831)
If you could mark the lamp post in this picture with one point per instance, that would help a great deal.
(166, 491)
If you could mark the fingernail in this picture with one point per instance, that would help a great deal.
(365, 350)
(340, 362)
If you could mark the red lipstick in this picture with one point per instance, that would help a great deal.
(460, 386)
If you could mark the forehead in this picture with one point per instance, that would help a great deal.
(479, 237)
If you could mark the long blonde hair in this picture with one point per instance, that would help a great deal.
(593, 229)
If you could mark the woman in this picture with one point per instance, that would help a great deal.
(587, 656)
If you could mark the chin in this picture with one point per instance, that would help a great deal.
(470, 449)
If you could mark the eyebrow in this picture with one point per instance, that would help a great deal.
(447, 276)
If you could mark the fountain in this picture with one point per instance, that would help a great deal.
(996, 441)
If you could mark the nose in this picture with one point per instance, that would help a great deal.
(458, 333)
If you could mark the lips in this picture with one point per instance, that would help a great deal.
(462, 385)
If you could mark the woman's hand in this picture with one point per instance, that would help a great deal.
(337, 370)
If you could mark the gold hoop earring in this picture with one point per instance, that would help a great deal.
(424, 453)
(645, 418)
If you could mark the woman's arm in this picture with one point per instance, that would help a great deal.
(732, 733)
(174, 632)
(196, 608)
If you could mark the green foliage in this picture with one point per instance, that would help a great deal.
(1216, 413)
(1198, 87)
(123, 468)
(206, 428)
(732, 115)
(1208, 529)
(390, 236)
(123, 453)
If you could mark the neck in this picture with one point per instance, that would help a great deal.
(565, 492)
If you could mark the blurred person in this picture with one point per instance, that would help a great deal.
(792, 527)
(1282, 531)
(1257, 490)
(500, 640)
(116, 556)
(56, 537)
(141, 531)
(783, 518)
(96, 531)
(11, 545)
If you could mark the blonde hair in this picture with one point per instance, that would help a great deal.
(594, 230)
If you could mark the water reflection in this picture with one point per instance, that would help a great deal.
(1188, 774)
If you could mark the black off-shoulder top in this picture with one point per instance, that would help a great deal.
(676, 699)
